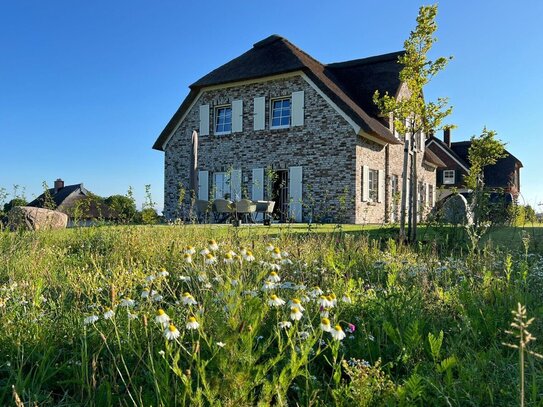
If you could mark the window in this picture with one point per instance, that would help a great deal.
(223, 120)
(431, 195)
(448, 177)
(280, 113)
(373, 185)
(221, 185)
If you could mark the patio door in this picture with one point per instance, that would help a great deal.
(295, 193)
(280, 194)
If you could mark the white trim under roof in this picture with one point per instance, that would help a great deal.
(448, 153)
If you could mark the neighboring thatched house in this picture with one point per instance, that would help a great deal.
(82, 206)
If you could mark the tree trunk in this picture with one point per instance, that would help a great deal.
(404, 191)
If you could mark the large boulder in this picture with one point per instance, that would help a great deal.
(30, 218)
(456, 211)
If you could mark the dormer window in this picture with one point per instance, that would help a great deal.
(223, 120)
(448, 177)
(281, 113)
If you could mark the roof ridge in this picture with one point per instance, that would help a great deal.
(367, 60)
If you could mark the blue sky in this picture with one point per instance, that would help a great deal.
(86, 87)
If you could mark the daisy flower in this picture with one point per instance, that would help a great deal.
(316, 292)
(284, 324)
(171, 332)
(162, 318)
(243, 251)
(276, 253)
(332, 297)
(346, 299)
(295, 314)
(274, 277)
(157, 297)
(204, 252)
(190, 250)
(268, 285)
(127, 302)
(163, 273)
(325, 325)
(188, 299)
(270, 247)
(325, 301)
(210, 259)
(131, 316)
(184, 278)
(187, 258)
(274, 267)
(275, 301)
(303, 335)
(213, 246)
(109, 313)
(249, 256)
(220, 344)
(337, 333)
(146, 293)
(296, 303)
(192, 323)
(286, 262)
(228, 258)
(150, 278)
(91, 319)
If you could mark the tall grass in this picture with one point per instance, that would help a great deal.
(421, 327)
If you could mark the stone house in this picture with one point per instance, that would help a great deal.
(502, 177)
(274, 123)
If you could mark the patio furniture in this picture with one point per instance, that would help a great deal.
(203, 209)
(245, 209)
(266, 209)
(222, 210)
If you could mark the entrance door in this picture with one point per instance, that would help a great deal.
(280, 195)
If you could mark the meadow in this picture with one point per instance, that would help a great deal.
(295, 315)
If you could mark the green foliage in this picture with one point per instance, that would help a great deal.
(14, 202)
(485, 150)
(122, 206)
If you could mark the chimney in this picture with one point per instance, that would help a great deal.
(447, 136)
(59, 184)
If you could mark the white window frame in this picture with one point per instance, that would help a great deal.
(272, 102)
(373, 185)
(216, 117)
(447, 178)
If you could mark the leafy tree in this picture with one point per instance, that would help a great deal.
(48, 202)
(14, 202)
(412, 115)
(122, 206)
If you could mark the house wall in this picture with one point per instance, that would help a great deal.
(324, 146)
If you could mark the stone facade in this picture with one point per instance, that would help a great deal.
(325, 146)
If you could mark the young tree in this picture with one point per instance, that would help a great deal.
(412, 116)
(485, 150)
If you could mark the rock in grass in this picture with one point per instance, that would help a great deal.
(30, 218)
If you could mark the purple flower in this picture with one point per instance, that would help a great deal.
(350, 328)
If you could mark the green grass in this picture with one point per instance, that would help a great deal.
(429, 320)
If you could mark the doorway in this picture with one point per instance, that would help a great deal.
(280, 195)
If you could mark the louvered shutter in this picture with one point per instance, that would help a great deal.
(259, 113)
(237, 116)
(203, 185)
(297, 108)
(381, 186)
(204, 120)
(365, 183)
(295, 193)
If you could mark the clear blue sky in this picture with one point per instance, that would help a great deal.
(87, 86)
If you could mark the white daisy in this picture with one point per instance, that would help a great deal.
(268, 285)
(91, 319)
(325, 301)
(171, 332)
(188, 299)
(190, 250)
(109, 313)
(187, 258)
(284, 324)
(275, 301)
(213, 246)
(243, 251)
(346, 299)
(315, 292)
(192, 323)
(157, 298)
(274, 267)
(295, 314)
(131, 316)
(270, 247)
(184, 278)
(228, 258)
(162, 318)
(210, 259)
(325, 325)
(127, 302)
(286, 262)
(150, 278)
(276, 253)
(296, 303)
(332, 297)
(249, 256)
(303, 335)
(274, 277)
(163, 273)
(337, 333)
(204, 252)
(221, 344)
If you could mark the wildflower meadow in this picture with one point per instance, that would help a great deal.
(222, 316)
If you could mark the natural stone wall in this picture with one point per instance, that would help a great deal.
(30, 218)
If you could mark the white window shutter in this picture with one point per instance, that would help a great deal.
(297, 108)
(204, 120)
(258, 184)
(259, 113)
(295, 193)
(426, 194)
(235, 185)
(381, 186)
(237, 116)
(434, 196)
(203, 185)
(365, 183)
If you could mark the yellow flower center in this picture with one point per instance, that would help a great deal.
(187, 295)
(273, 297)
(294, 310)
(277, 250)
(172, 328)
(338, 328)
(192, 319)
(212, 242)
(228, 255)
(329, 297)
(333, 296)
(249, 253)
(209, 256)
(325, 321)
(273, 274)
(187, 255)
(160, 312)
(162, 269)
(296, 301)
